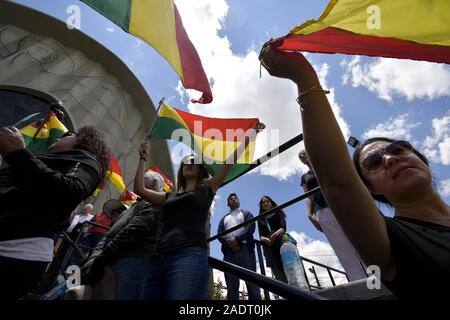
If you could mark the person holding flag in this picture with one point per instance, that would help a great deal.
(69, 172)
(410, 252)
(180, 266)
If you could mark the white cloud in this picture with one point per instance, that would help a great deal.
(396, 77)
(444, 188)
(394, 128)
(240, 92)
(213, 204)
(135, 53)
(437, 146)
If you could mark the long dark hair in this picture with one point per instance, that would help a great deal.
(89, 139)
(357, 155)
(181, 180)
(280, 213)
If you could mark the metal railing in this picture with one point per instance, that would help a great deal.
(63, 256)
(280, 288)
(303, 259)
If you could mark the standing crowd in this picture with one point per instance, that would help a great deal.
(157, 249)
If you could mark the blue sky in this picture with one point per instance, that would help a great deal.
(370, 96)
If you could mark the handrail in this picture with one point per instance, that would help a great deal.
(303, 259)
(272, 285)
(269, 155)
(322, 265)
(266, 213)
(96, 225)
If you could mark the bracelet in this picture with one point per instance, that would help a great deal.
(141, 158)
(317, 88)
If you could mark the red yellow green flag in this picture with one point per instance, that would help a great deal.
(42, 134)
(215, 139)
(408, 29)
(114, 174)
(168, 185)
(158, 23)
(99, 189)
(128, 198)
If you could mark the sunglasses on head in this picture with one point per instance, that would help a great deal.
(191, 160)
(397, 148)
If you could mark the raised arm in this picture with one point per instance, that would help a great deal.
(345, 193)
(34, 176)
(156, 198)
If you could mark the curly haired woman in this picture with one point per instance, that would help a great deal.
(37, 194)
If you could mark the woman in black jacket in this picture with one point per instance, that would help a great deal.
(271, 230)
(128, 247)
(37, 194)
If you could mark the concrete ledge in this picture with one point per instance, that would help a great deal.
(356, 290)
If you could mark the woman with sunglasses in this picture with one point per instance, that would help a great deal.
(180, 267)
(411, 249)
(37, 194)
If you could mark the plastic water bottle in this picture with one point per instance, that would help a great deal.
(292, 264)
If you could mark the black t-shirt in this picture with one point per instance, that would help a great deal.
(310, 180)
(421, 252)
(183, 219)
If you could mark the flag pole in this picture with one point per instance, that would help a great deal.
(154, 120)
(43, 122)
(268, 156)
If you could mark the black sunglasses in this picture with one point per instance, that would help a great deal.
(397, 148)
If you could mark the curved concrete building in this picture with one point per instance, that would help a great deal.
(42, 61)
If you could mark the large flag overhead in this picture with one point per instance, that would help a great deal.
(215, 139)
(409, 29)
(40, 135)
(158, 23)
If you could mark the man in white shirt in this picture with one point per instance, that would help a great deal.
(238, 247)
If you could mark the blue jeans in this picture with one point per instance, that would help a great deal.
(130, 275)
(246, 259)
(180, 274)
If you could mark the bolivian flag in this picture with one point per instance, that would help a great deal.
(409, 29)
(216, 139)
(39, 136)
(158, 23)
(128, 198)
(114, 174)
